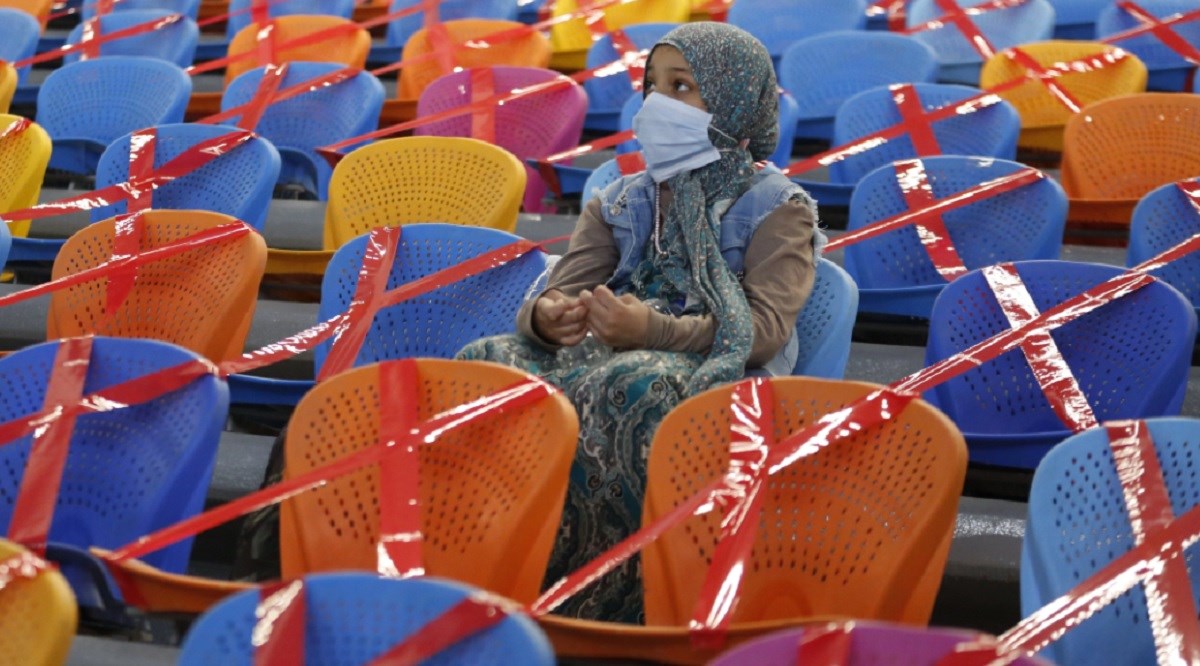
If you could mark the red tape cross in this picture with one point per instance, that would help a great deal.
(935, 238)
(264, 96)
(1160, 29)
(1045, 76)
(960, 18)
(629, 54)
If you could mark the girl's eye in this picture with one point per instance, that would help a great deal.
(681, 86)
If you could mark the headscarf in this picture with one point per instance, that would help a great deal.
(737, 83)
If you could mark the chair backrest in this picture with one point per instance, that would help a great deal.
(354, 618)
(1037, 104)
(189, 8)
(174, 43)
(574, 35)
(1164, 218)
(400, 30)
(1079, 522)
(608, 93)
(600, 178)
(238, 183)
(237, 21)
(23, 160)
(824, 70)
(129, 471)
(88, 104)
(988, 132)
(298, 126)
(529, 127)
(21, 32)
(860, 529)
(1025, 223)
(349, 46)
(780, 23)
(40, 9)
(1124, 147)
(443, 321)
(8, 85)
(825, 323)
(491, 492)
(530, 50)
(1130, 357)
(164, 303)
(1029, 21)
(1152, 51)
(37, 617)
(1076, 19)
(423, 179)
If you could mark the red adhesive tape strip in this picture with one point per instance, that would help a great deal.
(132, 31)
(1163, 32)
(319, 82)
(829, 645)
(1191, 190)
(400, 532)
(1150, 24)
(483, 120)
(629, 54)
(1047, 77)
(264, 96)
(127, 243)
(931, 230)
(15, 128)
(463, 620)
(912, 115)
(546, 170)
(278, 634)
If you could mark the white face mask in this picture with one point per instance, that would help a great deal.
(674, 136)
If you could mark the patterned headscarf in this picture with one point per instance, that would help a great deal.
(737, 83)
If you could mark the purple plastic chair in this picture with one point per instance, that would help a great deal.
(528, 127)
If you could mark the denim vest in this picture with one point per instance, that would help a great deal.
(628, 207)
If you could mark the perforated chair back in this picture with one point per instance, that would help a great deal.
(1167, 69)
(574, 35)
(38, 617)
(1162, 219)
(418, 179)
(988, 132)
(1030, 21)
(531, 50)
(354, 618)
(600, 178)
(349, 46)
(174, 43)
(825, 70)
(780, 23)
(1079, 522)
(895, 271)
(189, 8)
(606, 94)
(825, 323)
(88, 104)
(340, 8)
(400, 30)
(129, 471)
(238, 183)
(8, 85)
(21, 32)
(298, 126)
(511, 468)
(529, 127)
(443, 321)
(164, 303)
(1130, 357)
(1076, 19)
(860, 529)
(23, 160)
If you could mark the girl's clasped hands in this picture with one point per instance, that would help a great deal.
(617, 321)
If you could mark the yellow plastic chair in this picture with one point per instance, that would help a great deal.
(23, 160)
(571, 40)
(413, 179)
(861, 529)
(38, 8)
(8, 85)
(1043, 117)
(38, 617)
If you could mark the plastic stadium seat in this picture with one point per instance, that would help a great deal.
(530, 50)
(348, 47)
(88, 104)
(825, 70)
(528, 127)
(1167, 70)
(1161, 220)
(23, 160)
(189, 8)
(174, 43)
(780, 23)
(8, 85)
(607, 94)
(572, 39)
(339, 8)
(20, 41)
(1030, 21)
(1043, 116)
(39, 9)
(1076, 19)
(353, 618)
(296, 127)
(1078, 523)
(600, 178)
(893, 270)
(825, 323)
(164, 303)
(400, 30)
(1119, 149)
(1130, 358)
(37, 617)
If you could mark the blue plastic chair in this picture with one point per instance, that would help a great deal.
(353, 618)
(298, 126)
(189, 8)
(1078, 523)
(401, 29)
(1076, 19)
(780, 23)
(174, 43)
(88, 104)
(825, 323)
(237, 21)
(825, 70)
(437, 324)
(1131, 357)
(129, 471)
(606, 95)
(20, 41)
(1167, 70)
(601, 177)
(1162, 219)
(893, 271)
(1031, 21)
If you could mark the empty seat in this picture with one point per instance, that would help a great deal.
(24, 155)
(400, 30)
(1162, 219)
(37, 616)
(189, 8)
(1167, 69)
(346, 43)
(174, 43)
(520, 48)
(240, 18)
(780, 23)
(20, 31)
(959, 56)
(572, 39)
(1076, 19)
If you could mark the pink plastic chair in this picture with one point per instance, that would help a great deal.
(529, 127)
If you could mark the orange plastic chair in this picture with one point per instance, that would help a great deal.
(1118, 150)
(348, 48)
(1042, 115)
(38, 8)
(571, 40)
(38, 617)
(861, 529)
(202, 299)
(8, 85)
(23, 160)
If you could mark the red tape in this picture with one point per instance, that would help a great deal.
(827, 646)
(319, 82)
(264, 96)
(629, 55)
(400, 538)
(546, 170)
(1160, 29)
(463, 620)
(15, 128)
(1191, 190)
(1046, 77)
(935, 237)
(960, 18)
(893, 10)
(278, 634)
(483, 120)
(131, 31)
(916, 123)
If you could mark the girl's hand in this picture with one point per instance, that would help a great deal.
(618, 321)
(560, 319)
